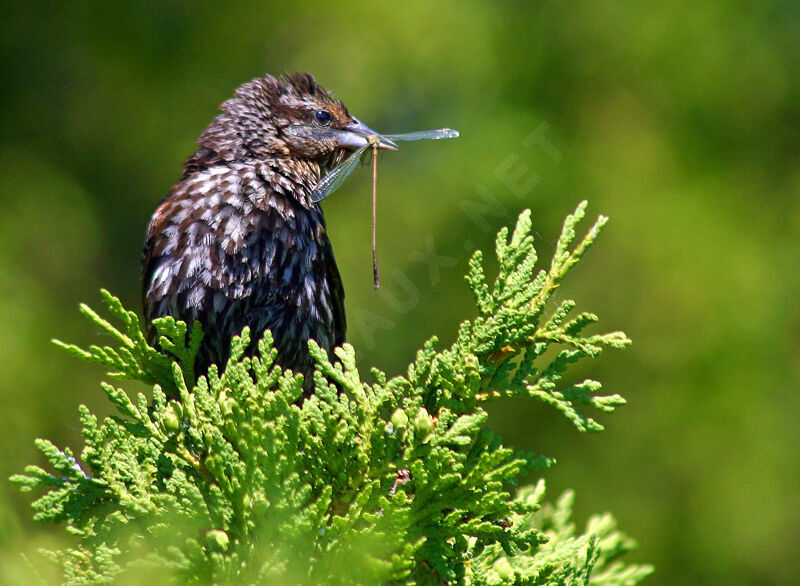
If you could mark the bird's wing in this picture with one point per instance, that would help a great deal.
(155, 242)
(334, 279)
(151, 255)
(173, 246)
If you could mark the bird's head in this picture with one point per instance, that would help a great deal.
(287, 117)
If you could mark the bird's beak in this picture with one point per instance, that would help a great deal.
(358, 135)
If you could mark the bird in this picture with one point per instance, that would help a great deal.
(239, 241)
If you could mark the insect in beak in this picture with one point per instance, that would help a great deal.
(359, 135)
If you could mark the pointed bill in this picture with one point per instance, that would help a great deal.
(354, 136)
(359, 137)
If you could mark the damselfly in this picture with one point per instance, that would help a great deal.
(337, 176)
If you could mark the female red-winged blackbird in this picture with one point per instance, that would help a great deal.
(239, 242)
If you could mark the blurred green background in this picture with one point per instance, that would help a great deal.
(679, 120)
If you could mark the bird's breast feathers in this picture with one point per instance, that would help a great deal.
(234, 228)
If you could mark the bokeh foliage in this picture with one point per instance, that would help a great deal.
(678, 119)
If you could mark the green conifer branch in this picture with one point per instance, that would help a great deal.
(240, 480)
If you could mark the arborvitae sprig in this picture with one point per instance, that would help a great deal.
(134, 358)
(396, 480)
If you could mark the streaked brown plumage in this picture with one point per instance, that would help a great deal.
(238, 241)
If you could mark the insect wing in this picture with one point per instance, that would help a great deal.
(423, 134)
(333, 180)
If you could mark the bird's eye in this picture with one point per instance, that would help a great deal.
(323, 117)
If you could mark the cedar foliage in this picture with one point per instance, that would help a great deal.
(233, 478)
